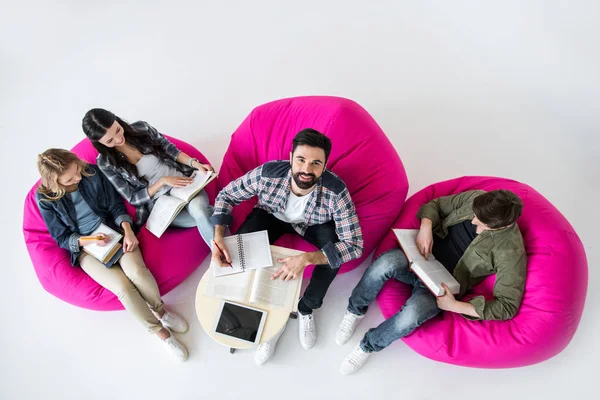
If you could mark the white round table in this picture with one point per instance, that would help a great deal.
(208, 306)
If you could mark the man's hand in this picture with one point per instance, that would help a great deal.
(222, 259)
(291, 268)
(425, 238)
(447, 302)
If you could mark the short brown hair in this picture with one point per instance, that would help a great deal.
(498, 208)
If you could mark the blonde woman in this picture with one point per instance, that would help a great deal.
(74, 198)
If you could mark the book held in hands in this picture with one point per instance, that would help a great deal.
(110, 252)
(169, 205)
(430, 271)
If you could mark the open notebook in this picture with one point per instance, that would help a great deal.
(256, 286)
(248, 251)
(169, 205)
(430, 271)
(108, 253)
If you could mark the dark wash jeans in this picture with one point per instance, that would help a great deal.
(317, 235)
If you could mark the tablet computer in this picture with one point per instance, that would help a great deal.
(240, 322)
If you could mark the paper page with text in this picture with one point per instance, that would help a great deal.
(231, 287)
(186, 193)
(164, 211)
(408, 241)
(276, 292)
(430, 271)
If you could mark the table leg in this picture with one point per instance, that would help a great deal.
(231, 350)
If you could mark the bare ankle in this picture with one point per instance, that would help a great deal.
(163, 334)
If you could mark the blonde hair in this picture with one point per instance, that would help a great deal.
(52, 164)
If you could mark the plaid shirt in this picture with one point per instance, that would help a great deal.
(330, 199)
(129, 186)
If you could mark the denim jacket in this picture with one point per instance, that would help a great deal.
(61, 219)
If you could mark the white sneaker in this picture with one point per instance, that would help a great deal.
(354, 361)
(265, 350)
(175, 347)
(174, 322)
(307, 330)
(347, 327)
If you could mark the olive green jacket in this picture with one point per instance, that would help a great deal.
(499, 252)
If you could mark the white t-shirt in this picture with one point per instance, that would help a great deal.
(294, 209)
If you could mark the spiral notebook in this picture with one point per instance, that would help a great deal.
(248, 251)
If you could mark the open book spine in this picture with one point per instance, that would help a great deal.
(241, 255)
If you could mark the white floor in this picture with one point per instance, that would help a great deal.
(461, 88)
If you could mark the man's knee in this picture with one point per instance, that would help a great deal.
(387, 263)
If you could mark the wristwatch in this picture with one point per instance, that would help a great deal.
(191, 161)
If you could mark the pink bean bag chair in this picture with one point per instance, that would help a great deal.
(362, 156)
(554, 296)
(172, 258)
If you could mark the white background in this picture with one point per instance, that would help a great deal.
(461, 88)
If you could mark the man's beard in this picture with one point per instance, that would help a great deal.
(305, 184)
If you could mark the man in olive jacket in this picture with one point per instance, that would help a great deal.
(476, 235)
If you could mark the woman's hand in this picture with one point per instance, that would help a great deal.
(202, 167)
(130, 241)
(104, 241)
(176, 181)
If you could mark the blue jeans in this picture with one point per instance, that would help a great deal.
(420, 307)
(197, 213)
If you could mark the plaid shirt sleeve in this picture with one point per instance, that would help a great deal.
(241, 189)
(157, 137)
(133, 195)
(348, 230)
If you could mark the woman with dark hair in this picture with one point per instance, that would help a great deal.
(143, 165)
(74, 199)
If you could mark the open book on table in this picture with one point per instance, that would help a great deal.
(255, 286)
(248, 251)
(430, 271)
(169, 205)
(109, 253)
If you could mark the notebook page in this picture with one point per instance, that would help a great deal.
(100, 252)
(257, 251)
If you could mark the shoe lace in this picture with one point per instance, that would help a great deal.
(168, 318)
(347, 322)
(307, 322)
(264, 346)
(356, 357)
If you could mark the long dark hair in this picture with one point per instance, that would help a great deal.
(95, 124)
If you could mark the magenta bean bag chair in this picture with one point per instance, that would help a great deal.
(172, 258)
(554, 296)
(362, 156)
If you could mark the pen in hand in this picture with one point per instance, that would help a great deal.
(222, 254)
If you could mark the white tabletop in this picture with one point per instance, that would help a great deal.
(207, 308)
